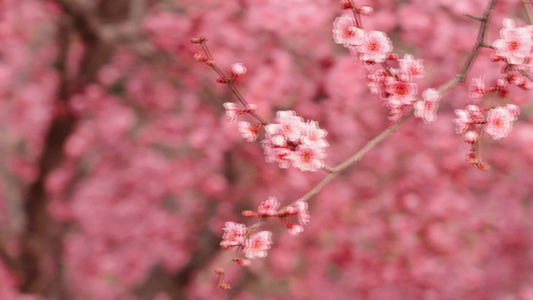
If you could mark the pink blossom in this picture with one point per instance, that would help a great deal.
(475, 113)
(302, 212)
(248, 131)
(269, 207)
(258, 245)
(314, 136)
(401, 93)
(499, 122)
(346, 32)
(411, 67)
(231, 111)
(515, 43)
(513, 110)
(375, 47)
(471, 137)
(233, 234)
(462, 121)
(238, 69)
(295, 229)
(477, 89)
(308, 158)
(283, 156)
(427, 109)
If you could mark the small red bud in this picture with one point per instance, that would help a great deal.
(219, 271)
(210, 63)
(346, 4)
(249, 214)
(243, 262)
(494, 57)
(393, 56)
(525, 85)
(221, 80)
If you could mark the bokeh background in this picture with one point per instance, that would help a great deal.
(118, 168)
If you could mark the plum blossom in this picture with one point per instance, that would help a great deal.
(515, 43)
(233, 234)
(471, 137)
(295, 229)
(427, 109)
(269, 207)
(302, 212)
(346, 32)
(231, 111)
(238, 69)
(292, 141)
(248, 131)
(410, 67)
(308, 158)
(500, 121)
(401, 93)
(477, 89)
(257, 245)
(375, 47)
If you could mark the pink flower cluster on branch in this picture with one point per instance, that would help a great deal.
(291, 140)
(395, 86)
(256, 245)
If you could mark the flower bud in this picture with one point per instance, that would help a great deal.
(366, 10)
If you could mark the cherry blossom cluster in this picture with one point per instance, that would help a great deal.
(496, 121)
(293, 141)
(515, 49)
(256, 245)
(395, 86)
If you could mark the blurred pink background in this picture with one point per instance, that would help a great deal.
(118, 168)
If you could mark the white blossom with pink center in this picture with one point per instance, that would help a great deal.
(258, 244)
(499, 122)
(515, 43)
(401, 93)
(269, 207)
(411, 68)
(375, 47)
(308, 158)
(346, 32)
(427, 109)
(233, 234)
(248, 131)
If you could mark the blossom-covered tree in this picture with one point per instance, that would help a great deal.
(324, 155)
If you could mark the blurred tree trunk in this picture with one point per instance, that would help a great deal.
(41, 265)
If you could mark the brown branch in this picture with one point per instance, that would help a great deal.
(529, 10)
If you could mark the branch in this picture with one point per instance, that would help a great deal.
(529, 10)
